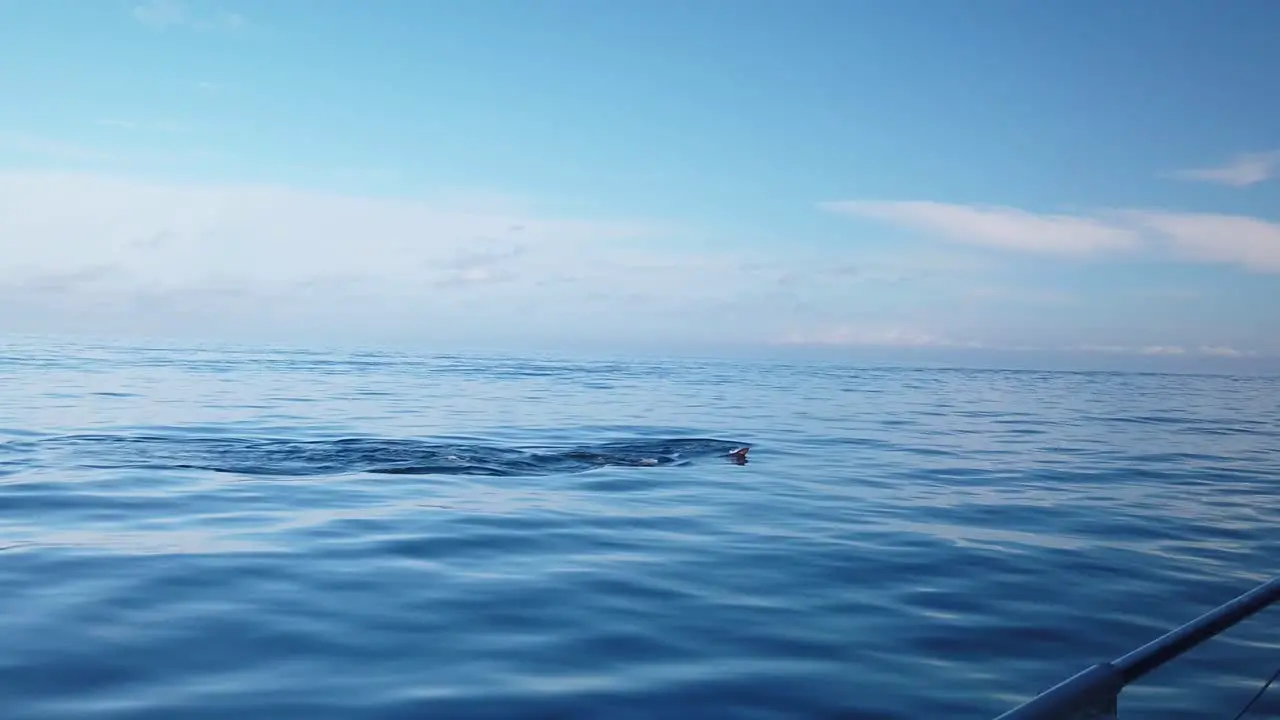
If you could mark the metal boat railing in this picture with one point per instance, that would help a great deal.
(1094, 693)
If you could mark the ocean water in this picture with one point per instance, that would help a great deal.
(201, 533)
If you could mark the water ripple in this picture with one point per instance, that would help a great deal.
(211, 533)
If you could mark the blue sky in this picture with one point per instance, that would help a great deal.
(1054, 177)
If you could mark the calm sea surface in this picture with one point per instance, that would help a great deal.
(276, 535)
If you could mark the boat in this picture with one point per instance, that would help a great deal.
(1094, 693)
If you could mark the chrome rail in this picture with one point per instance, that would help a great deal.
(1094, 693)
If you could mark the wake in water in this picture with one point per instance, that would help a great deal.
(276, 457)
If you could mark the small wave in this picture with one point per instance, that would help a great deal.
(394, 456)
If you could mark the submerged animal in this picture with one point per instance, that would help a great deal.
(663, 452)
(275, 457)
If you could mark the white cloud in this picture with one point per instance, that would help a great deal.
(845, 335)
(997, 227)
(116, 255)
(1241, 171)
(1163, 350)
(113, 253)
(1110, 349)
(872, 337)
(190, 232)
(121, 255)
(1248, 242)
(1222, 351)
(1232, 239)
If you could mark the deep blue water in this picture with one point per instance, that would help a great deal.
(218, 534)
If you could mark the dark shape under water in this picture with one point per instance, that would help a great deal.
(281, 457)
